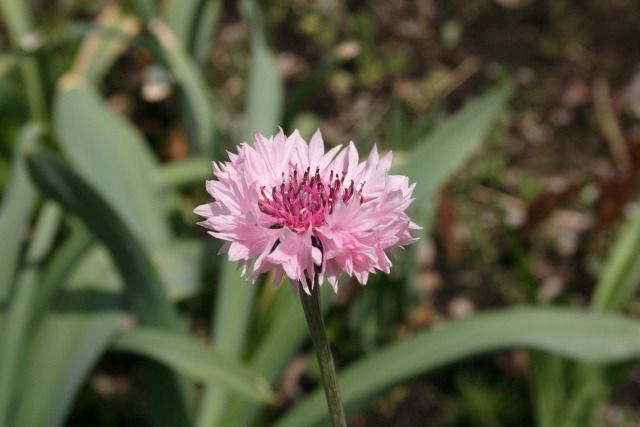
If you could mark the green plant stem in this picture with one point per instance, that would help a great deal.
(313, 314)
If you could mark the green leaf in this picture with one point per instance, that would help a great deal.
(192, 81)
(65, 348)
(143, 285)
(112, 156)
(15, 212)
(179, 266)
(264, 101)
(143, 288)
(167, 403)
(204, 29)
(286, 332)
(19, 27)
(617, 284)
(181, 15)
(620, 276)
(184, 172)
(233, 309)
(16, 19)
(548, 385)
(193, 23)
(438, 156)
(582, 336)
(195, 361)
(63, 260)
(287, 329)
(102, 46)
(146, 9)
(18, 320)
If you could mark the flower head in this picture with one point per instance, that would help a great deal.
(287, 205)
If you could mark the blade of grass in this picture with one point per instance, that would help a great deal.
(16, 209)
(112, 156)
(195, 361)
(586, 337)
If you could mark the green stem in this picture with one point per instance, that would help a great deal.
(313, 314)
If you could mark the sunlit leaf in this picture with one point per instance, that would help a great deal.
(440, 154)
(112, 156)
(581, 336)
(265, 93)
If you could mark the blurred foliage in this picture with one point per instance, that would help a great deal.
(113, 308)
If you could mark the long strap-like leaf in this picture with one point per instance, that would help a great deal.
(582, 336)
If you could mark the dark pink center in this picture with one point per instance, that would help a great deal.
(303, 202)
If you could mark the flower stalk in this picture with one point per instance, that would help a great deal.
(315, 321)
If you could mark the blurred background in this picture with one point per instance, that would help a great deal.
(538, 102)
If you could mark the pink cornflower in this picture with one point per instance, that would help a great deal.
(287, 205)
